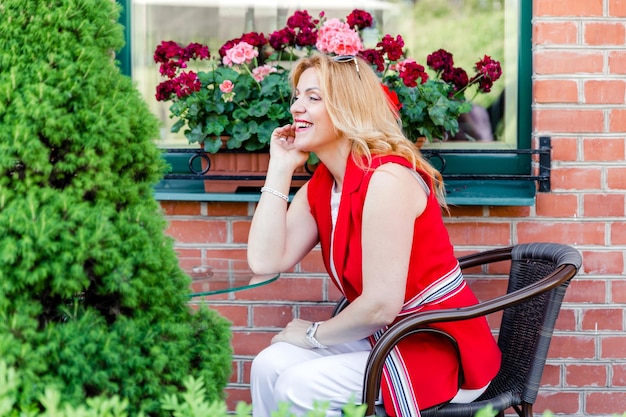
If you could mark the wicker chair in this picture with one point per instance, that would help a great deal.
(539, 275)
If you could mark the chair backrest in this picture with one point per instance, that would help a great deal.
(526, 329)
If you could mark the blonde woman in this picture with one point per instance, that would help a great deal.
(374, 206)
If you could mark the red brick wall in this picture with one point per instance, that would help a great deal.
(579, 92)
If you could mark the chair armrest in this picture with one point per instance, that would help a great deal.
(481, 258)
(341, 304)
(412, 324)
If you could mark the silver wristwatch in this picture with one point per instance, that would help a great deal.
(310, 335)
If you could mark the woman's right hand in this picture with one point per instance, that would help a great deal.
(281, 234)
(282, 147)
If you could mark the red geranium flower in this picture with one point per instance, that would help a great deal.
(195, 51)
(375, 58)
(283, 38)
(457, 77)
(360, 19)
(392, 47)
(440, 60)
(489, 71)
(301, 19)
(255, 39)
(410, 72)
(306, 37)
(166, 51)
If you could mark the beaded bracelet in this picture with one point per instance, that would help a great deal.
(274, 192)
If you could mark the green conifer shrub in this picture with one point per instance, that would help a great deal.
(92, 301)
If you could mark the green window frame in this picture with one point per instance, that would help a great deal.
(483, 177)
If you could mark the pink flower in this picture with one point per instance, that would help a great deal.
(338, 38)
(242, 53)
(229, 44)
(226, 86)
(259, 73)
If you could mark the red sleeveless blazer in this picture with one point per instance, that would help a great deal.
(432, 257)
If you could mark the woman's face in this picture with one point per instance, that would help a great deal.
(313, 126)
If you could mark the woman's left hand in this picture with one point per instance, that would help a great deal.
(294, 333)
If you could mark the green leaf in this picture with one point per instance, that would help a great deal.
(212, 144)
(260, 109)
(240, 114)
(279, 113)
(178, 125)
(264, 131)
(215, 125)
(240, 133)
(196, 135)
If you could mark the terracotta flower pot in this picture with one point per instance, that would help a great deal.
(244, 165)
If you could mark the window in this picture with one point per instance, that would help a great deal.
(467, 28)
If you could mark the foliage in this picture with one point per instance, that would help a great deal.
(242, 100)
(430, 106)
(242, 97)
(92, 301)
(449, 25)
(192, 402)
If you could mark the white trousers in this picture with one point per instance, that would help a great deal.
(284, 373)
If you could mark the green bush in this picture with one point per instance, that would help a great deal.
(92, 301)
(193, 402)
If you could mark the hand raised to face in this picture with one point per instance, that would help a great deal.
(282, 147)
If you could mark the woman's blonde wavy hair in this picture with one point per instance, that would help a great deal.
(361, 112)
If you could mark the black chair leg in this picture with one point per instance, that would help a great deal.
(527, 410)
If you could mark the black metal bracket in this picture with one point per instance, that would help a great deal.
(545, 163)
(436, 156)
